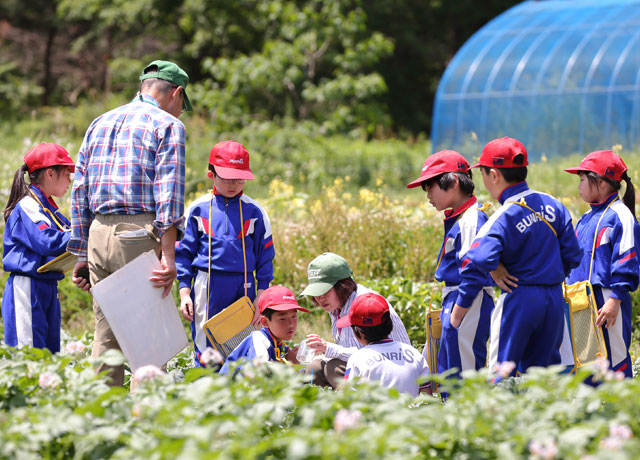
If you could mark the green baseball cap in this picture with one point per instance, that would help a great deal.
(325, 271)
(169, 71)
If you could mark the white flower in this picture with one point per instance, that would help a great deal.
(600, 369)
(504, 369)
(547, 451)
(148, 372)
(49, 380)
(346, 419)
(620, 431)
(210, 357)
(611, 443)
(75, 348)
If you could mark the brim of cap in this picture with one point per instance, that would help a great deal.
(233, 173)
(575, 170)
(477, 165)
(343, 322)
(421, 179)
(186, 103)
(317, 289)
(289, 306)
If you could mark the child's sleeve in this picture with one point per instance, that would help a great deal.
(625, 238)
(264, 250)
(483, 257)
(186, 252)
(34, 230)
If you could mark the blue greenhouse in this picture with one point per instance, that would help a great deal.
(562, 76)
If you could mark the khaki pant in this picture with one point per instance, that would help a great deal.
(327, 373)
(107, 252)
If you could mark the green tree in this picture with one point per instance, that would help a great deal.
(308, 60)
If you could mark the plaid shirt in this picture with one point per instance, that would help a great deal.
(131, 162)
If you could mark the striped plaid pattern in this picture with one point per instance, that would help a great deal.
(346, 342)
(131, 162)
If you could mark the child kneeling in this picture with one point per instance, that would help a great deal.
(279, 319)
(393, 364)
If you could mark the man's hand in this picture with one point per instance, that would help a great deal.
(608, 313)
(457, 315)
(503, 278)
(80, 281)
(163, 277)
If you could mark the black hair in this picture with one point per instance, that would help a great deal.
(213, 170)
(375, 333)
(511, 175)
(20, 188)
(268, 313)
(446, 180)
(629, 197)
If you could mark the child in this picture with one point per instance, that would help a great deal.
(211, 259)
(279, 319)
(333, 289)
(532, 236)
(35, 233)
(393, 364)
(611, 261)
(447, 179)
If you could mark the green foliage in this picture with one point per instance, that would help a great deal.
(314, 61)
(55, 407)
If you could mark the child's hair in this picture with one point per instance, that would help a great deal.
(375, 333)
(268, 313)
(20, 188)
(344, 288)
(212, 169)
(512, 175)
(446, 180)
(629, 198)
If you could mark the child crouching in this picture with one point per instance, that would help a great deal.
(393, 364)
(279, 319)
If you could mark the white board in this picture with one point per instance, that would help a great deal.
(148, 327)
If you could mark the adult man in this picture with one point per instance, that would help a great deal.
(128, 190)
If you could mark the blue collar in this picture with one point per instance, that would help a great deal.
(598, 206)
(513, 190)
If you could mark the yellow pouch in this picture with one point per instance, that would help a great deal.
(433, 325)
(587, 338)
(228, 328)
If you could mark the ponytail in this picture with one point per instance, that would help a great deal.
(629, 198)
(20, 188)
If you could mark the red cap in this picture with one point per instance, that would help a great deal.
(499, 153)
(279, 298)
(441, 162)
(231, 160)
(46, 155)
(366, 310)
(603, 162)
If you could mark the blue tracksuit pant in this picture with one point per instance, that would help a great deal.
(527, 326)
(466, 347)
(31, 313)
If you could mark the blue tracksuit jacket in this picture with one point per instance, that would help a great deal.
(227, 266)
(615, 269)
(30, 305)
(527, 324)
(466, 347)
(258, 345)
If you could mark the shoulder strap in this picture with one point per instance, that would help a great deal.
(61, 225)
(540, 216)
